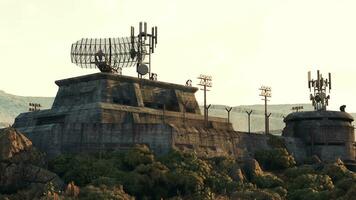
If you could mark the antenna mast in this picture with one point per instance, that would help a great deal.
(147, 43)
(319, 98)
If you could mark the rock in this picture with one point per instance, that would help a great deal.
(12, 143)
(20, 164)
(17, 148)
(237, 175)
(338, 161)
(15, 176)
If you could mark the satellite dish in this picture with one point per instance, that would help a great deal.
(142, 69)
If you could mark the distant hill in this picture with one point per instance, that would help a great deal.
(12, 105)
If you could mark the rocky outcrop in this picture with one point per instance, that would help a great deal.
(12, 143)
(21, 165)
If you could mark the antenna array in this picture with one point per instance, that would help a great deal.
(112, 54)
(319, 98)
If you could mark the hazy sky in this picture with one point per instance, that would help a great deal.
(242, 44)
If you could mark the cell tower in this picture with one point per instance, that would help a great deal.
(319, 98)
(110, 55)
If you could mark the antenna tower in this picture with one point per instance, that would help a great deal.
(319, 97)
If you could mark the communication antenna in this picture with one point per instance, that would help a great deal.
(205, 82)
(110, 55)
(147, 43)
(34, 107)
(319, 97)
(266, 93)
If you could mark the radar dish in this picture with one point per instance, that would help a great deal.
(108, 54)
(112, 54)
(142, 69)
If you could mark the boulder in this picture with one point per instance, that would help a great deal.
(12, 143)
(21, 164)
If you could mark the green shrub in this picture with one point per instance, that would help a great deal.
(312, 181)
(338, 172)
(81, 168)
(103, 192)
(308, 194)
(294, 172)
(140, 154)
(275, 159)
(267, 181)
(256, 194)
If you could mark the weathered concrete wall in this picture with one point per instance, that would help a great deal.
(104, 111)
(55, 139)
(328, 134)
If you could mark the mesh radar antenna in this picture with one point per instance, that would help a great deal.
(112, 54)
(319, 98)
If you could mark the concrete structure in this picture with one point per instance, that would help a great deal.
(328, 134)
(105, 111)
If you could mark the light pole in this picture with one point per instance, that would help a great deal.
(266, 93)
(34, 107)
(207, 115)
(297, 108)
(205, 82)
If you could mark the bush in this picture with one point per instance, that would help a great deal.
(256, 194)
(338, 172)
(312, 181)
(275, 159)
(307, 194)
(140, 154)
(267, 181)
(103, 192)
(294, 172)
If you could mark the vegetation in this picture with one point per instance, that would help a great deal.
(138, 174)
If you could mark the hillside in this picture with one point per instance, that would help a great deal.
(12, 105)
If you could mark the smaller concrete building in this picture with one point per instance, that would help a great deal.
(327, 134)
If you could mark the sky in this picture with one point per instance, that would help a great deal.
(241, 44)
